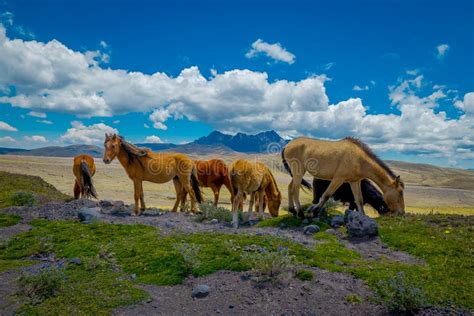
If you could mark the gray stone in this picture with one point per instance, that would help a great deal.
(214, 221)
(200, 291)
(105, 203)
(169, 225)
(331, 231)
(311, 229)
(88, 215)
(76, 260)
(118, 204)
(337, 221)
(360, 225)
(305, 221)
(133, 276)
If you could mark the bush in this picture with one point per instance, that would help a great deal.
(269, 265)
(9, 220)
(354, 299)
(401, 295)
(22, 199)
(39, 287)
(190, 253)
(304, 275)
(209, 211)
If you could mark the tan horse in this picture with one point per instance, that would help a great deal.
(257, 180)
(213, 174)
(84, 169)
(347, 160)
(143, 165)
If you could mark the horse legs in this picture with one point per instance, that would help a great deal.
(183, 200)
(142, 198)
(296, 182)
(252, 200)
(333, 186)
(291, 205)
(136, 195)
(179, 191)
(77, 190)
(238, 199)
(186, 183)
(215, 189)
(261, 198)
(229, 187)
(357, 192)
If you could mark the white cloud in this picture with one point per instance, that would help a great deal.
(7, 18)
(328, 66)
(45, 122)
(359, 88)
(36, 139)
(153, 139)
(467, 105)
(103, 44)
(145, 125)
(82, 134)
(116, 121)
(37, 114)
(412, 72)
(274, 51)
(7, 139)
(4, 126)
(441, 50)
(158, 117)
(213, 72)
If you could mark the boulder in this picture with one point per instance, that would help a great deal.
(360, 225)
(105, 203)
(88, 215)
(337, 221)
(214, 221)
(200, 291)
(310, 229)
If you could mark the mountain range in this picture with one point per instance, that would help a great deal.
(216, 142)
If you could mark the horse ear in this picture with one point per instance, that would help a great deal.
(106, 136)
(114, 137)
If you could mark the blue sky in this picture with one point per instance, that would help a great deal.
(397, 74)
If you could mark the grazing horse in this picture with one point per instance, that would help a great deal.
(257, 180)
(346, 160)
(143, 165)
(213, 174)
(370, 194)
(84, 169)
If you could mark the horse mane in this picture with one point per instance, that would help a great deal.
(273, 183)
(371, 154)
(132, 150)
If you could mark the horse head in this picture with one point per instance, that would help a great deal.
(112, 145)
(394, 196)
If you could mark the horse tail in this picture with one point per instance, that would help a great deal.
(195, 185)
(87, 182)
(304, 183)
(228, 182)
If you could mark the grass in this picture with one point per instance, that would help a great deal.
(9, 220)
(18, 189)
(444, 242)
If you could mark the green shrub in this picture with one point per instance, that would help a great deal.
(37, 288)
(209, 211)
(22, 198)
(269, 265)
(9, 220)
(354, 299)
(190, 253)
(304, 275)
(402, 295)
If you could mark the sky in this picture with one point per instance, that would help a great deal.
(399, 75)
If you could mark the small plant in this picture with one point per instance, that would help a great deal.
(209, 211)
(22, 198)
(39, 287)
(304, 275)
(270, 265)
(190, 254)
(354, 299)
(9, 220)
(104, 258)
(401, 295)
(44, 246)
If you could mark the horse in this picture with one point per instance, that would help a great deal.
(141, 164)
(213, 174)
(257, 180)
(346, 160)
(370, 194)
(84, 169)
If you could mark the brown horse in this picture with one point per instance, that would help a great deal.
(84, 169)
(257, 180)
(213, 174)
(347, 160)
(143, 165)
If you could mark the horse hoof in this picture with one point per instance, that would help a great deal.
(292, 210)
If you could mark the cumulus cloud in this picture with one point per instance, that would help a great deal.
(37, 114)
(36, 139)
(4, 126)
(467, 105)
(274, 51)
(7, 139)
(52, 77)
(441, 50)
(153, 139)
(360, 88)
(82, 134)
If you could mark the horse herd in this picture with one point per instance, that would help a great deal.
(341, 169)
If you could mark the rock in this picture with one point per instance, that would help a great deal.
(283, 226)
(105, 203)
(305, 221)
(310, 229)
(360, 225)
(88, 215)
(118, 204)
(323, 215)
(169, 225)
(337, 221)
(214, 221)
(331, 231)
(76, 260)
(133, 276)
(200, 291)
